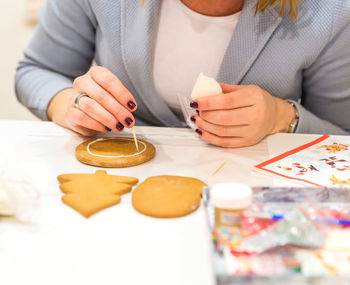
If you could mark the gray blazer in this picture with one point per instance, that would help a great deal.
(306, 61)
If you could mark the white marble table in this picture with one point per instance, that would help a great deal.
(117, 245)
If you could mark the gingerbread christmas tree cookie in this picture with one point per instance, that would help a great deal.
(91, 193)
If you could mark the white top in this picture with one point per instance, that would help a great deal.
(186, 44)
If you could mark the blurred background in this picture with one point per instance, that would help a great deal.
(17, 24)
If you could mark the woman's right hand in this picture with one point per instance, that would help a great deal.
(107, 106)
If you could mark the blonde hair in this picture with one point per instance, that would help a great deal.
(261, 6)
(291, 5)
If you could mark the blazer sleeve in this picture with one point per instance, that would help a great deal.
(325, 103)
(62, 49)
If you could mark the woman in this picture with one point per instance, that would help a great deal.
(281, 73)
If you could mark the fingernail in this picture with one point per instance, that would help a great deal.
(194, 105)
(193, 119)
(120, 126)
(197, 112)
(131, 105)
(198, 131)
(108, 129)
(128, 121)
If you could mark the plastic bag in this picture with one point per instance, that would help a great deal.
(187, 111)
(17, 198)
(297, 229)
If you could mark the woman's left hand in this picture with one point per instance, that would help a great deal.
(242, 116)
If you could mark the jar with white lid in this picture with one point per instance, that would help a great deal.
(229, 201)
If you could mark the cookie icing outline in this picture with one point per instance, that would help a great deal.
(114, 156)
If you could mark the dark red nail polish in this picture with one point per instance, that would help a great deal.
(197, 112)
(131, 105)
(128, 121)
(194, 105)
(108, 129)
(198, 131)
(120, 126)
(193, 119)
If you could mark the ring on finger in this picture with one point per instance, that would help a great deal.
(76, 101)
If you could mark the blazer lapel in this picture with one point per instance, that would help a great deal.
(251, 34)
(138, 26)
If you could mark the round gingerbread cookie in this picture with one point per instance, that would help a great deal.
(167, 196)
(114, 152)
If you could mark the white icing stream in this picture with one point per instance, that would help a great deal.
(114, 156)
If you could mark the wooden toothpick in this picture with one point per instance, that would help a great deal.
(142, 2)
(218, 169)
(135, 139)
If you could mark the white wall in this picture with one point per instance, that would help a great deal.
(14, 34)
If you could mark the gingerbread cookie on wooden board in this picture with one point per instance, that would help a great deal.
(114, 152)
(91, 193)
(167, 196)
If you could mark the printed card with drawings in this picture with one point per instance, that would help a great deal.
(322, 162)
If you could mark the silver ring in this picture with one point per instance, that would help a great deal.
(76, 101)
